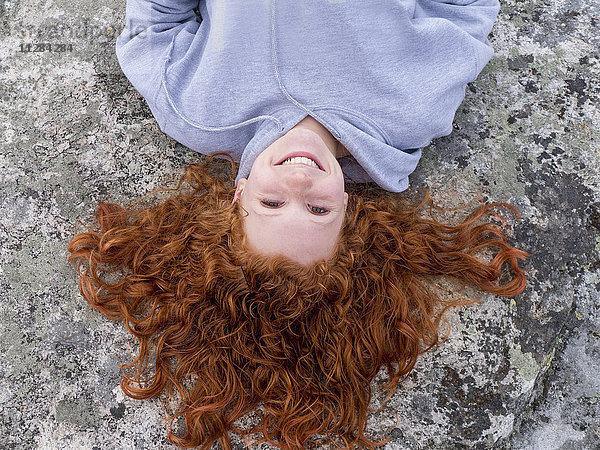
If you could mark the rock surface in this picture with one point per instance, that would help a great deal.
(515, 373)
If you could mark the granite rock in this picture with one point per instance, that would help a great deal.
(515, 373)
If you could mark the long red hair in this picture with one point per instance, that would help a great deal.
(223, 332)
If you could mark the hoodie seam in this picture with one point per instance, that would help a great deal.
(282, 88)
(360, 115)
(196, 124)
(475, 60)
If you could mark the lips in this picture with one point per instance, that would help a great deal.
(310, 156)
(301, 160)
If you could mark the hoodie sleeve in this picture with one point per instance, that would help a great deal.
(475, 17)
(152, 27)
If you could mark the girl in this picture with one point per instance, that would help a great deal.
(375, 81)
(284, 293)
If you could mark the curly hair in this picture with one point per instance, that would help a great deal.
(223, 332)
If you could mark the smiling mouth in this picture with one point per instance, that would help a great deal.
(302, 159)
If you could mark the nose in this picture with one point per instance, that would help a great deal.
(298, 180)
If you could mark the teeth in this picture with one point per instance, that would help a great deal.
(301, 160)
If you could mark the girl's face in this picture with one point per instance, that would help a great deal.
(294, 196)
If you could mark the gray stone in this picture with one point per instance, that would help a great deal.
(518, 373)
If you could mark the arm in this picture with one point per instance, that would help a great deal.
(475, 17)
(151, 27)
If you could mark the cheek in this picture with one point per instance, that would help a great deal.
(335, 188)
(261, 179)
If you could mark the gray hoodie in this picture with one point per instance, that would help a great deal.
(383, 76)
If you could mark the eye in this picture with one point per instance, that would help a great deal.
(318, 210)
(270, 204)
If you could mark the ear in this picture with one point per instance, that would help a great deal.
(345, 200)
(239, 190)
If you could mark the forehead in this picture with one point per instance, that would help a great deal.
(297, 238)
